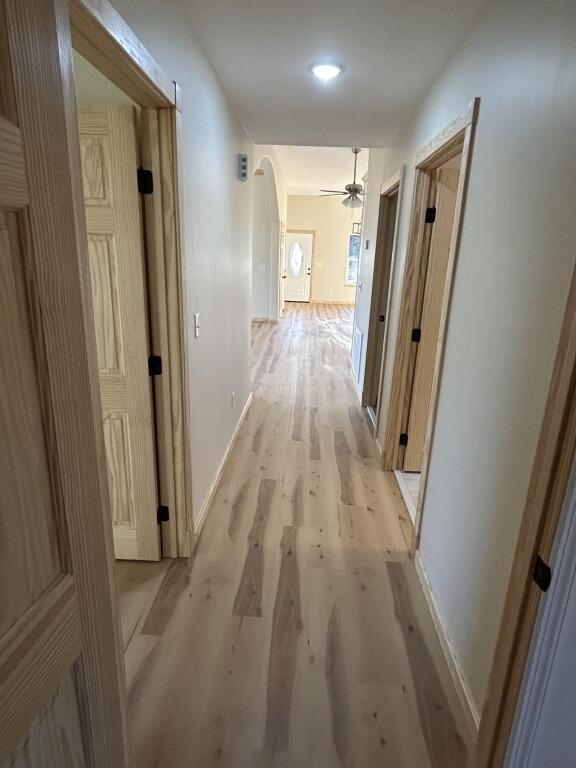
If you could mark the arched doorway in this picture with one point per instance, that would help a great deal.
(266, 268)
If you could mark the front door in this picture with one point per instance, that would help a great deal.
(109, 167)
(298, 266)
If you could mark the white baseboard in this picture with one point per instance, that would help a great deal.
(406, 495)
(328, 301)
(463, 691)
(372, 417)
(209, 498)
(355, 383)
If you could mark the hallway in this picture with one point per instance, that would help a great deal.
(298, 635)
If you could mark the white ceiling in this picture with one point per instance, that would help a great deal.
(392, 50)
(306, 170)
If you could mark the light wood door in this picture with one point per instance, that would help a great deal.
(59, 705)
(298, 266)
(109, 166)
(445, 204)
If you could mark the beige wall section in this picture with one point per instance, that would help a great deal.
(92, 87)
(332, 223)
(217, 236)
(511, 281)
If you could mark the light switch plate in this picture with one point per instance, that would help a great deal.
(196, 324)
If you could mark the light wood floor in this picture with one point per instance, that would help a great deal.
(298, 636)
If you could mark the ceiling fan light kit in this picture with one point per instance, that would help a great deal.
(352, 191)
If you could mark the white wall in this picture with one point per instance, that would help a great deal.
(217, 236)
(332, 224)
(516, 257)
(261, 251)
(269, 206)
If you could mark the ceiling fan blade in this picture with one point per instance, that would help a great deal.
(335, 191)
(330, 194)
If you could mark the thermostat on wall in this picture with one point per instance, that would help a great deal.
(243, 167)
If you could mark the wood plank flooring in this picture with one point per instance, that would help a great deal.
(298, 635)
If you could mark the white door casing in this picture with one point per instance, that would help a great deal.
(299, 246)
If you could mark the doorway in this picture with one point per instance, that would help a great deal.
(267, 246)
(425, 333)
(299, 252)
(381, 289)
(439, 190)
(127, 161)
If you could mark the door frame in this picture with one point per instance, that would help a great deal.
(312, 232)
(393, 186)
(455, 138)
(545, 502)
(102, 37)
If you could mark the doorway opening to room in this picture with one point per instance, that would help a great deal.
(439, 191)
(124, 164)
(381, 295)
(128, 133)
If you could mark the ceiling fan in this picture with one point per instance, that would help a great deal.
(352, 191)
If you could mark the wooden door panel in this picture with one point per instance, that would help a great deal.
(29, 564)
(106, 302)
(109, 162)
(55, 735)
(445, 202)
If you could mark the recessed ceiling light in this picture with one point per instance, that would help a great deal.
(326, 71)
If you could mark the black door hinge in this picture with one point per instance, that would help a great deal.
(381, 318)
(163, 514)
(404, 438)
(154, 365)
(542, 574)
(416, 334)
(430, 215)
(145, 181)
